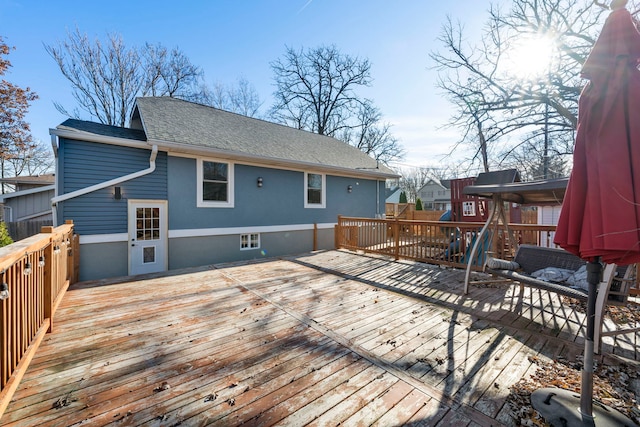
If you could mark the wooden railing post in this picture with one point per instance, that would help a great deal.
(396, 235)
(75, 244)
(49, 277)
(73, 252)
(338, 233)
(315, 236)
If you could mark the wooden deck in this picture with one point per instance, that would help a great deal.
(319, 339)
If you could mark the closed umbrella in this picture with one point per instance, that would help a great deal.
(600, 217)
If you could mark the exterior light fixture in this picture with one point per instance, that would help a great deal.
(349, 188)
(27, 268)
(117, 193)
(4, 290)
(259, 182)
(41, 261)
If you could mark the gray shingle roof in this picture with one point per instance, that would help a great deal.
(104, 130)
(172, 120)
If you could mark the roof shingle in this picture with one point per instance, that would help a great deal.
(104, 130)
(175, 121)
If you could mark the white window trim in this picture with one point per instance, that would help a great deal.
(249, 248)
(323, 196)
(200, 176)
(468, 209)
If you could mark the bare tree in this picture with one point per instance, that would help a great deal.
(15, 133)
(241, 98)
(34, 159)
(496, 108)
(316, 88)
(316, 91)
(169, 73)
(372, 136)
(534, 161)
(107, 77)
(412, 180)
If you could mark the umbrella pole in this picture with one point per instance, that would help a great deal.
(561, 407)
(594, 272)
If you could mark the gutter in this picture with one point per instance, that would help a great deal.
(364, 173)
(64, 132)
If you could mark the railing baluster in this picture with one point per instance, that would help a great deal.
(29, 308)
(428, 240)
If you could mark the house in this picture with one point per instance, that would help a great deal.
(435, 195)
(548, 215)
(31, 199)
(188, 185)
(28, 182)
(392, 203)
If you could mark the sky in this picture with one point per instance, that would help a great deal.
(230, 39)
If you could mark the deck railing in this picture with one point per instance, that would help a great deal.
(35, 273)
(438, 242)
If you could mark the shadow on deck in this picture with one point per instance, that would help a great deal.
(317, 339)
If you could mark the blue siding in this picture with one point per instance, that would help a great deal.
(280, 201)
(86, 163)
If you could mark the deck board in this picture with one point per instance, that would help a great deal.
(317, 339)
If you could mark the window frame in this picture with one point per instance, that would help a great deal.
(323, 191)
(250, 241)
(469, 208)
(201, 203)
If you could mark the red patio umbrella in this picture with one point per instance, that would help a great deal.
(600, 217)
(601, 208)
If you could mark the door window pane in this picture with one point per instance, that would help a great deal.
(147, 223)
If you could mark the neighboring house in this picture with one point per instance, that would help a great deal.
(28, 182)
(435, 195)
(548, 215)
(392, 203)
(393, 195)
(189, 185)
(31, 199)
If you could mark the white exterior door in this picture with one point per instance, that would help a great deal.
(147, 236)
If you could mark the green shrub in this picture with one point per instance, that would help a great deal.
(5, 239)
(418, 204)
(403, 197)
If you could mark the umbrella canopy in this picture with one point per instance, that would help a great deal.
(601, 210)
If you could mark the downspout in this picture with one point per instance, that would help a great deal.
(378, 215)
(111, 182)
(54, 210)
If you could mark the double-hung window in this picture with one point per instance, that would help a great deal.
(315, 193)
(215, 183)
